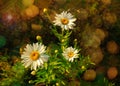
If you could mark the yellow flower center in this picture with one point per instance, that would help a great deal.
(64, 21)
(70, 54)
(34, 55)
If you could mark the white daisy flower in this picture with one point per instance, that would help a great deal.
(65, 20)
(34, 56)
(70, 53)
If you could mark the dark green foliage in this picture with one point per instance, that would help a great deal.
(14, 76)
(2, 41)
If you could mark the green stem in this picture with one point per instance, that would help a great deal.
(61, 39)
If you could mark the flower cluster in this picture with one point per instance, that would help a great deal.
(34, 55)
(52, 65)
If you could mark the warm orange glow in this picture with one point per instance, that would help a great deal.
(70, 54)
(64, 21)
(34, 55)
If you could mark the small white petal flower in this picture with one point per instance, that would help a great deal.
(70, 53)
(65, 20)
(34, 56)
